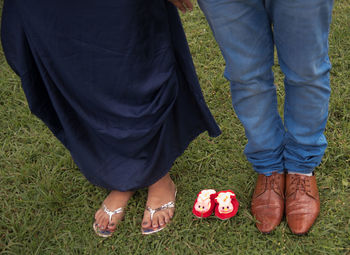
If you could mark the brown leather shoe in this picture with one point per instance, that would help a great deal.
(268, 201)
(302, 202)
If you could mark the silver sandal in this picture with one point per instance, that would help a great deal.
(151, 230)
(105, 232)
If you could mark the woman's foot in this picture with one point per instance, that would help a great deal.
(113, 201)
(160, 193)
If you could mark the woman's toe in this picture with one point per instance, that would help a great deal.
(104, 223)
(146, 222)
(112, 226)
(98, 214)
(161, 220)
(166, 218)
(171, 214)
(155, 222)
(98, 219)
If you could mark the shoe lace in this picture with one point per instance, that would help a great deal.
(270, 182)
(300, 183)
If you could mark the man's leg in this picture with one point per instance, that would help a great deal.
(243, 32)
(301, 36)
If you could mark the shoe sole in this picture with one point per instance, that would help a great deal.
(149, 231)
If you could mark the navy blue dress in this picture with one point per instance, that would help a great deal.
(112, 79)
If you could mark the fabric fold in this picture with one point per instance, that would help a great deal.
(113, 80)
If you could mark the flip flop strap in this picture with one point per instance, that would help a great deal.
(111, 213)
(171, 204)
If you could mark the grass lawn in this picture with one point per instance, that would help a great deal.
(47, 206)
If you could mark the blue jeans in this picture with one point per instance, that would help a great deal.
(246, 31)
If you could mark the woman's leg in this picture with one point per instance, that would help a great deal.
(159, 193)
(113, 201)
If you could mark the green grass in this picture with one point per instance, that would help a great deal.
(47, 206)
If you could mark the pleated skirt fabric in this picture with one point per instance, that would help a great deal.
(113, 80)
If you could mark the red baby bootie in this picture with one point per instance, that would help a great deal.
(227, 204)
(204, 205)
